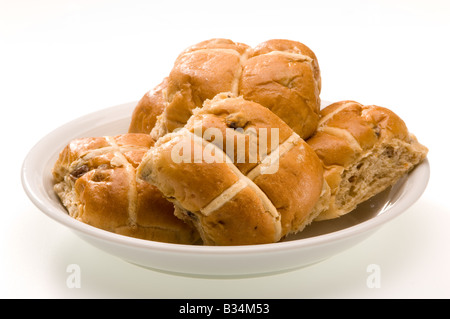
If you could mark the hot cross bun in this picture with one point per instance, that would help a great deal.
(365, 149)
(95, 178)
(238, 173)
(282, 75)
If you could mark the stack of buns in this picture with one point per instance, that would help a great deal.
(231, 148)
(281, 75)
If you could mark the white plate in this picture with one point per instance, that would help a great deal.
(317, 242)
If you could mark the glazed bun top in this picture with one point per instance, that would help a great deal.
(282, 75)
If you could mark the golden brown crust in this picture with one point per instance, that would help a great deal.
(289, 46)
(197, 76)
(95, 179)
(231, 116)
(237, 203)
(217, 43)
(255, 226)
(365, 149)
(149, 107)
(195, 184)
(285, 85)
(282, 75)
(296, 185)
(295, 188)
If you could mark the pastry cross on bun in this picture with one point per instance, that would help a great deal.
(95, 178)
(365, 149)
(282, 75)
(234, 196)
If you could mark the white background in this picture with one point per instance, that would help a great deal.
(63, 59)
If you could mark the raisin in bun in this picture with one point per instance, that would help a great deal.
(282, 75)
(365, 149)
(238, 173)
(95, 178)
